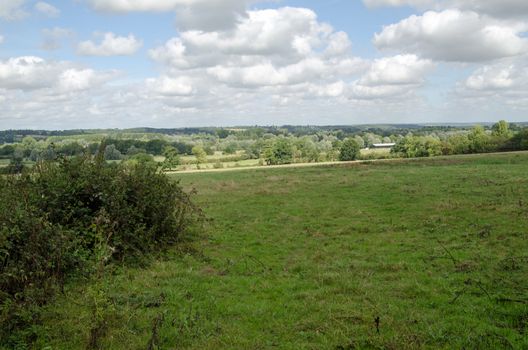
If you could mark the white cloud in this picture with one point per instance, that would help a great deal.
(53, 37)
(264, 32)
(141, 5)
(509, 76)
(47, 9)
(266, 74)
(206, 15)
(391, 76)
(498, 8)
(29, 73)
(12, 9)
(75, 79)
(1, 39)
(502, 85)
(453, 35)
(397, 70)
(267, 48)
(414, 3)
(282, 56)
(167, 86)
(493, 78)
(495, 8)
(111, 45)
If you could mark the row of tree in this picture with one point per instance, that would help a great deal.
(279, 147)
(478, 140)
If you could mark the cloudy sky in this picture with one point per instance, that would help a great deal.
(172, 63)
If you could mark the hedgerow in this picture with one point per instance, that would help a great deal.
(54, 216)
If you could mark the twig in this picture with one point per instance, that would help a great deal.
(455, 261)
(505, 300)
(484, 290)
(458, 295)
(155, 327)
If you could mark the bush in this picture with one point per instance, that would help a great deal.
(349, 150)
(279, 152)
(53, 216)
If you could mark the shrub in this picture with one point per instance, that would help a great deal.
(52, 217)
(349, 150)
(279, 152)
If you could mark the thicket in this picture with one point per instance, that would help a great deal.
(500, 139)
(55, 217)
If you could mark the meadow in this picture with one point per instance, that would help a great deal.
(401, 254)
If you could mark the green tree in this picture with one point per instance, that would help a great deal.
(201, 156)
(172, 158)
(231, 148)
(519, 141)
(29, 143)
(112, 153)
(479, 140)
(279, 152)
(349, 150)
(360, 141)
(501, 128)
(143, 159)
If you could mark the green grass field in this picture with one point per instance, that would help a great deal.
(436, 250)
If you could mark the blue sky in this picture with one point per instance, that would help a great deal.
(173, 63)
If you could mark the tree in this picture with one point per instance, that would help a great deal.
(112, 153)
(201, 156)
(231, 148)
(360, 141)
(418, 146)
(279, 152)
(15, 166)
(172, 158)
(29, 143)
(349, 150)
(501, 128)
(307, 150)
(520, 140)
(479, 140)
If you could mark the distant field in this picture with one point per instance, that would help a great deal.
(435, 250)
(385, 152)
(5, 162)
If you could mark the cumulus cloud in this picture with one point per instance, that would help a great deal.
(111, 45)
(394, 3)
(47, 9)
(168, 86)
(494, 8)
(29, 73)
(267, 48)
(12, 9)
(282, 56)
(497, 8)
(509, 76)
(454, 35)
(493, 78)
(502, 85)
(141, 5)
(191, 14)
(397, 70)
(391, 76)
(53, 37)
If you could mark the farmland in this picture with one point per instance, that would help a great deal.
(402, 254)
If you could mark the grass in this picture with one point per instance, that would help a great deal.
(310, 258)
(374, 153)
(5, 162)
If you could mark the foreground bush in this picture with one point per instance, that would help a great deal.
(54, 218)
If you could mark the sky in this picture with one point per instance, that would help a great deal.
(71, 64)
